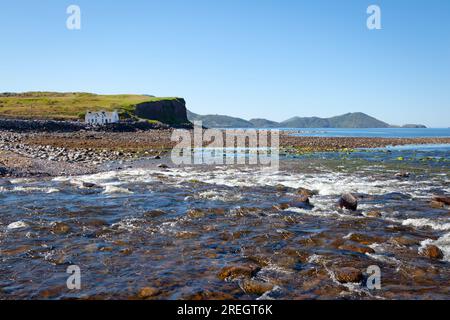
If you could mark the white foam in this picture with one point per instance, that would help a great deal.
(17, 225)
(110, 189)
(423, 222)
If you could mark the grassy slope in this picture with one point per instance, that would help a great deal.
(52, 105)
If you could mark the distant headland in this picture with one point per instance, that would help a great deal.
(171, 111)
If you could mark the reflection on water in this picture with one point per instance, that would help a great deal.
(177, 229)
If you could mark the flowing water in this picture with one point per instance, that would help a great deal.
(176, 229)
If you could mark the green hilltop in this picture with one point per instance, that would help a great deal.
(71, 105)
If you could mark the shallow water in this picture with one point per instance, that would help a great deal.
(374, 132)
(176, 229)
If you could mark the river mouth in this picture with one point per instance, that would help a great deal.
(180, 230)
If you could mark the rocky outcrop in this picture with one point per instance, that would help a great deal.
(168, 111)
(16, 125)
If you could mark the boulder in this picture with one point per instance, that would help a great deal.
(432, 252)
(348, 201)
(348, 275)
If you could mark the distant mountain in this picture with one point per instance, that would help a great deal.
(219, 121)
(348, 120)
(264, 123)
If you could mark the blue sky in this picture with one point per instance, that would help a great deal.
(249, 58)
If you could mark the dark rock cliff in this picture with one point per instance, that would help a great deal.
(168, 111)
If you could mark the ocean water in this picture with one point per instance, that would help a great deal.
(372, 133)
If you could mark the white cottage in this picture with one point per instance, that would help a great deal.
(101, 117)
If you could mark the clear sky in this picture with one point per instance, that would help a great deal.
(248, 58)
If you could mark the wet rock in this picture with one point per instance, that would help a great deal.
(207, 295)
(157, 157)
(348, 201)
(348, 275)
(256, 287)
(186, 235)
(306, 192)
(60, 228)
(357, 248)
(17, 225)
(281, 206)
(403, 175)
(365, 239)
(3, 171)
(163, 166)
(374, 214)
(89, 185)
(301, 202)
(234, 272)
(148, 292)
(432, 252)
(196, 213)
(281, 188)
(154, 213)
(405, 241)
(442, 199)
(436, 204)
(126, 251)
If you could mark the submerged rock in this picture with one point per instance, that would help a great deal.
(148, 292)
(374, 214)
(60, 228)
(356, 248)
(442, 199)
(234, 272)
(348, 275)
(432, 252)
(348, 201)
(256, 287)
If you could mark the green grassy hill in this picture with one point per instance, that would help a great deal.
(69, 106)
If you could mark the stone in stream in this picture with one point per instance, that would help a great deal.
(348, 275)
(403, 175)
(301, 202)
(348, 201)
(256, 287)
(60, 228)
(163, 166)
(306, 192)
(148, 292)
(442, 199)
(89, 185)
(432, 252)
(234, 272)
